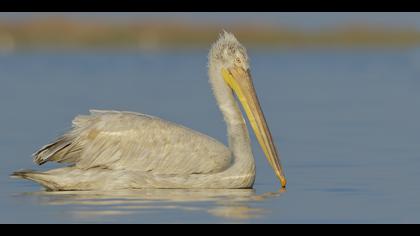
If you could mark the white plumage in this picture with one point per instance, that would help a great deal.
(125, 150)
(133, 141)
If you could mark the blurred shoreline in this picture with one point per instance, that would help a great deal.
(62, 32)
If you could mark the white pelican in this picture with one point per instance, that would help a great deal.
(111, 150)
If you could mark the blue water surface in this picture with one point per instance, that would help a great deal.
(346, 123)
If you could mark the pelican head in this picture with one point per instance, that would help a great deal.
(230, 72)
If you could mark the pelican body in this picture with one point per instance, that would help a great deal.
(110, 150)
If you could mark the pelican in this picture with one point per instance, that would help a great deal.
(110, 150)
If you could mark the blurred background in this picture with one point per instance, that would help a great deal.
(340, 92)
(20, 31)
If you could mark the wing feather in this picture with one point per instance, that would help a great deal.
(133, 141)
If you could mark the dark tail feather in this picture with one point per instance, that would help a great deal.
(48, 152)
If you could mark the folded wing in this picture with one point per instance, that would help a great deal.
(133, 141)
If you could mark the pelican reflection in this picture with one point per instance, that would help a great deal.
(233, 204)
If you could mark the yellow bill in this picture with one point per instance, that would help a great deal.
(241, 83)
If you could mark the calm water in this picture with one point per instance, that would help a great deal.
(346, 123)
